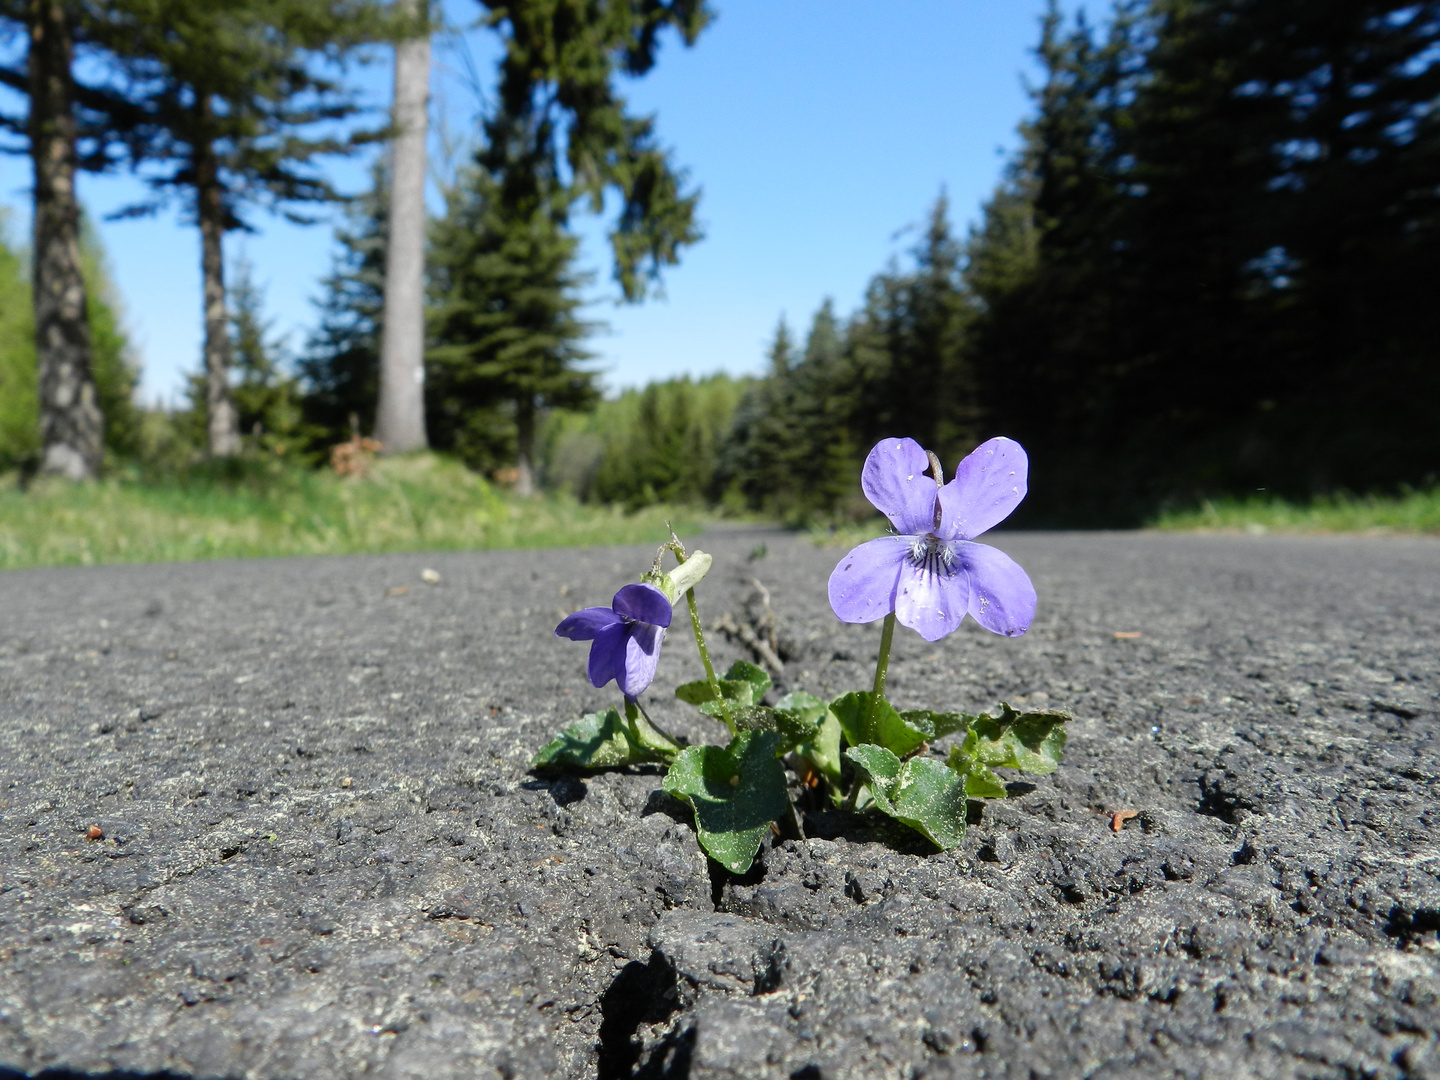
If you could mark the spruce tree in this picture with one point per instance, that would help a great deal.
(267, 398)
(400, 409)
(114, 371)
(824, 406)
(70, 420)
(237, 99)
(504, 323)
(753, 461)
(339, 368)
(560, 119)
(912, 353)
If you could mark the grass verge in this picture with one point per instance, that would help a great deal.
(421, 503)
(1409, 512)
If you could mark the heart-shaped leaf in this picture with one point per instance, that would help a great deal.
(742, 671)
(889, 729)
(980, 781)
(736, 792)
(815, 732)
(1032, 742)
(807, 707)
(936, 725)
(742, 687)
(643, 734)
(600, 741)
(753, 718)
(921, 792)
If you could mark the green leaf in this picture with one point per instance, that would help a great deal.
(823, 750)
(797, 718)
(695, 693)
(806, 706)
(598, 741)
(643, 735)
(821, 744)
(742, 671)
(744, 685)
(702, 696)
(1032, 742)
(921, 792)
(980, 781)
(891, 731)
(936, 725)
(753, 718)
(736, 792)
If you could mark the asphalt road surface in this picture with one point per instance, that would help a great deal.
(322, 854)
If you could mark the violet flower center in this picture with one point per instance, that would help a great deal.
(931, 555)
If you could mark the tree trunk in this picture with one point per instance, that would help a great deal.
(400, 412)
(222, 422)
(72, 431)
(525, 445)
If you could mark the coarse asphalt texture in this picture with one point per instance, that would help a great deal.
(323, 854)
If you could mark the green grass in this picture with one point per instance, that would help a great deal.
(1410, 512)
(422, 503)
(849, 533)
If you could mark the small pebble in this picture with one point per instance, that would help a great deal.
(430, 577)
(95, 833)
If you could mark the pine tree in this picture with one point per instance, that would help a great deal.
(824, 405)
(919, 378)
(115, 373)
(557, 102)
(19, 433)
(339, 369)
(400, 408)
(753, 461)
(504, 323)
(267, 399)
(1288, 154)
(233, 95)
(71, 424)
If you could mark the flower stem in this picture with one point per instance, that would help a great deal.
(882, 664)
(680, 556)
(649, 720)
(705, 659)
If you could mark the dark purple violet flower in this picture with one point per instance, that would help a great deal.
(626, 637)
(932, 574)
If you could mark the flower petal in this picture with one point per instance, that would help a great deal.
(862, 586)
(643, 603)
(584, 625)
(607, 654)
(987, 487)
(932, 603)
(642, 653)
(893, 480)
(1001, 597)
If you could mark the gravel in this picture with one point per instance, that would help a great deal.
(323, 854)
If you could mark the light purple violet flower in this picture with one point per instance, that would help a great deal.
(626, 637)
(932, 573)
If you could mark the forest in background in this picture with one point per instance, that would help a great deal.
(1206, 273)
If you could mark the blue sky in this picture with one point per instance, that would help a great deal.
(818, 130)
